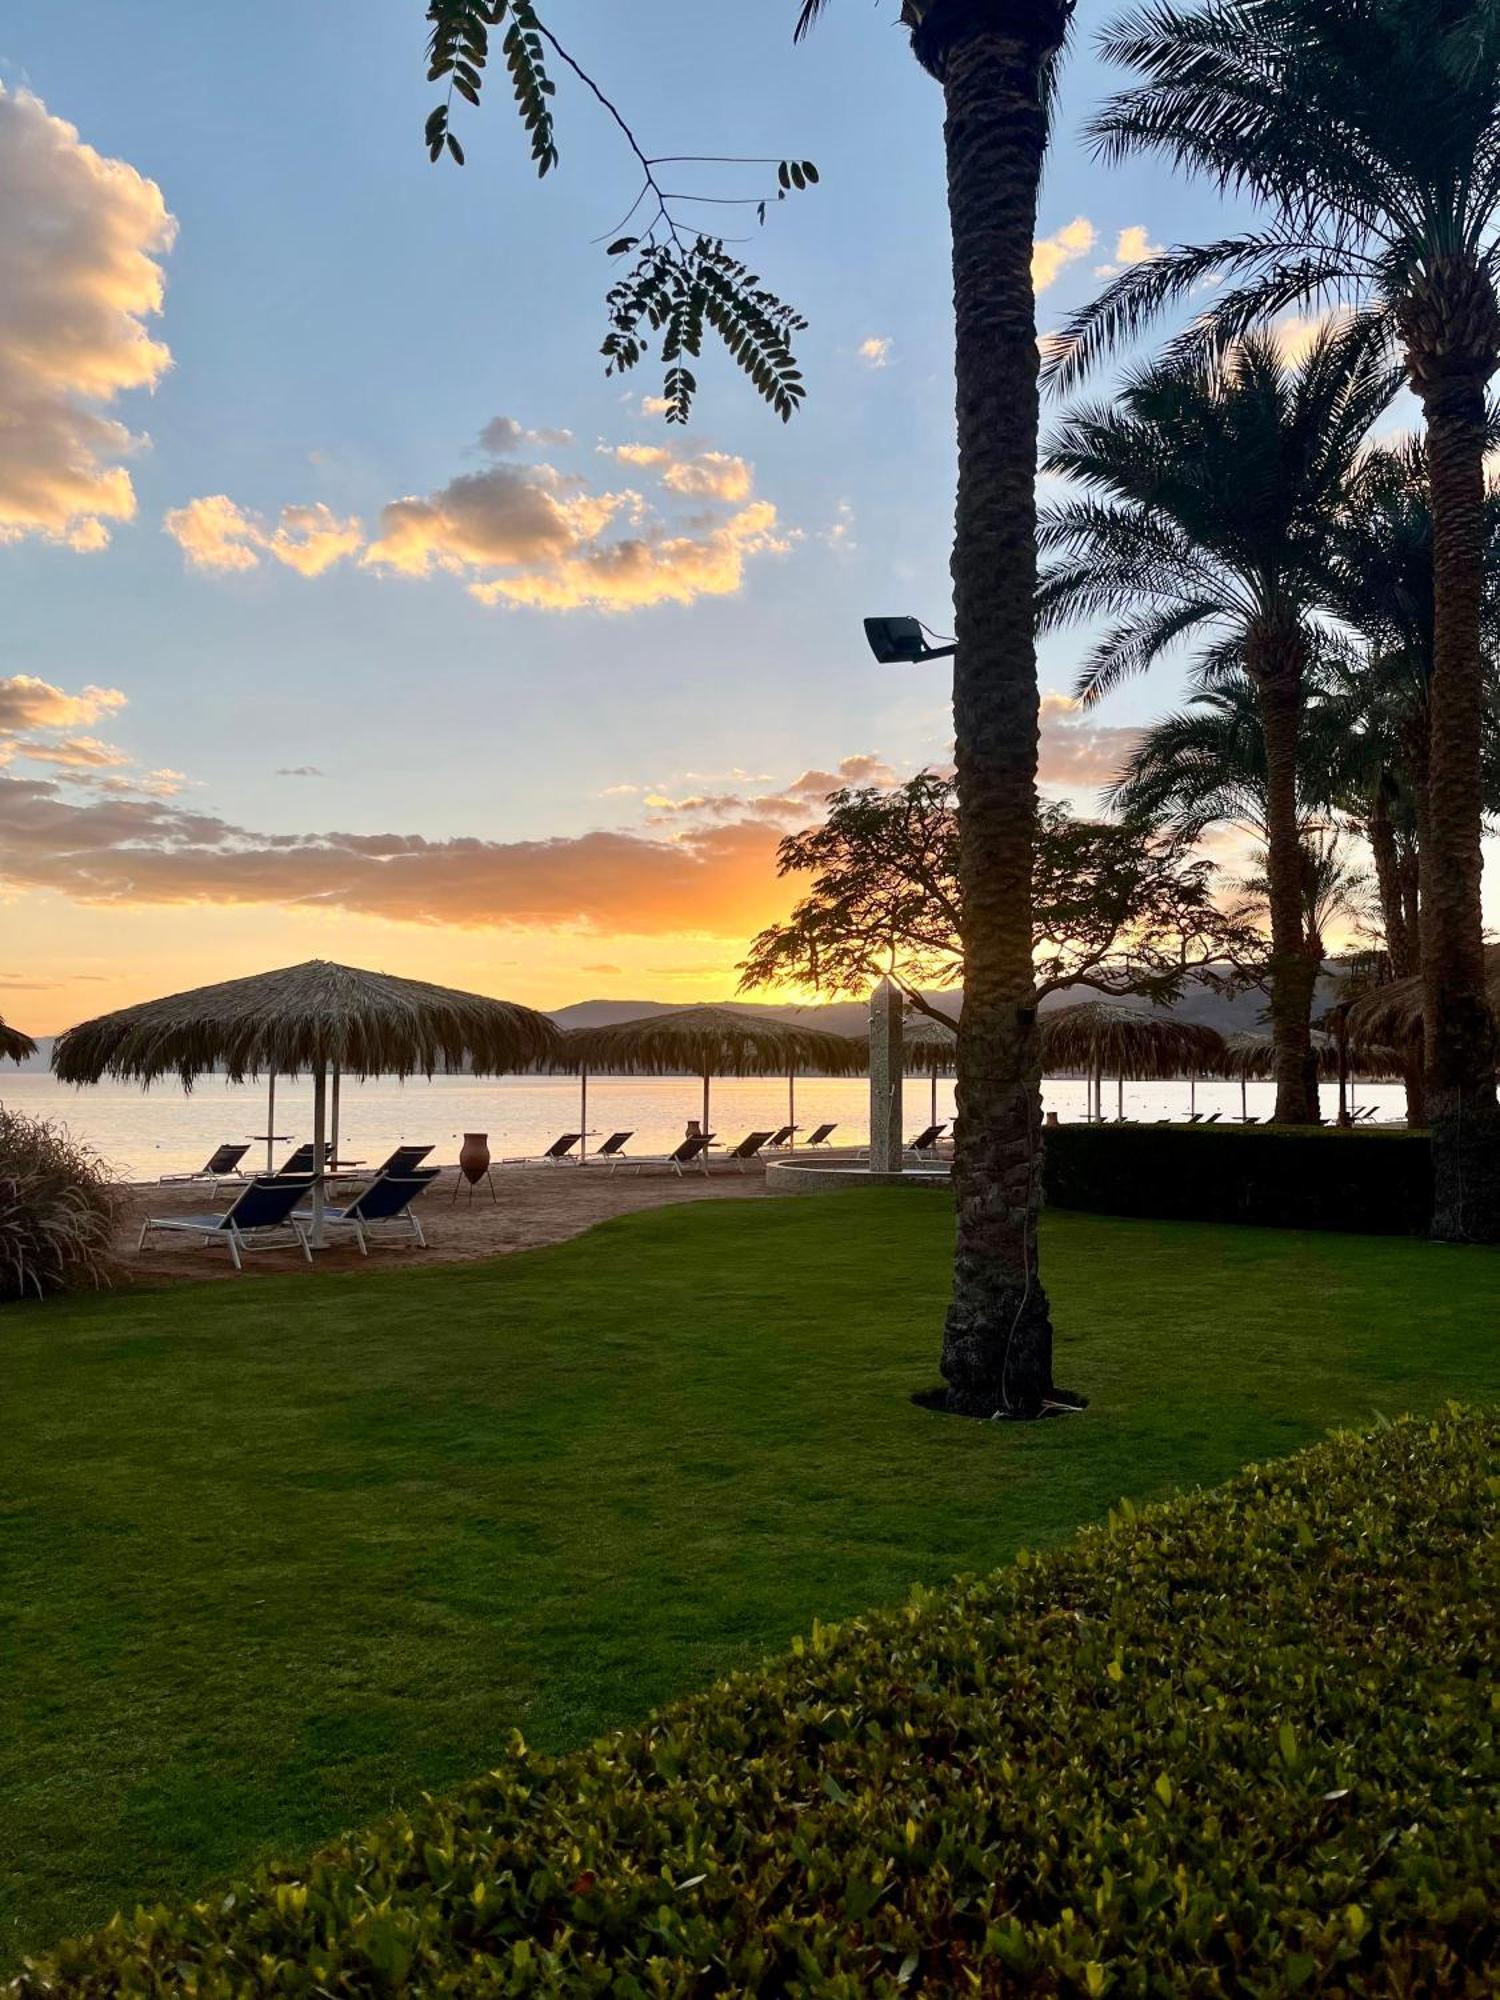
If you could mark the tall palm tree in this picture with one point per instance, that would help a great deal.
(993, 60)
(1369, 138)
(1213, 490)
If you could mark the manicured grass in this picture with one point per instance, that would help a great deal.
(276, 1555)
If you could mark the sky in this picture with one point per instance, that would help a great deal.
(351, 611)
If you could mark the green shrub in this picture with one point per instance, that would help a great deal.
(58, 1205)
(1242, 1743)
(1300, 1177)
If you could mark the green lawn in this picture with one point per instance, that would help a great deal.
(274, 1555)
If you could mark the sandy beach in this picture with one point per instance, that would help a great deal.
(532, 1206)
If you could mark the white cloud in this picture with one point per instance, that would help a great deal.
(80, 239)
(1133, 245)
(503, 435)
(1051, 254)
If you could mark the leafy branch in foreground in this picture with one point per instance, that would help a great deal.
(683, 279)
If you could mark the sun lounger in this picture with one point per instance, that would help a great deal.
(298, 1165)
(820, 1135)
(557, 1154)
(741, 1155)
(224, 1166)
(402, 1163)
(1364, 1116)
(385, 1205)
(262, 1216)
(612, 1149)
(1213, 1117)
(924, 1146)
(780, 1141)
(1195, 1118)
(691, 1153)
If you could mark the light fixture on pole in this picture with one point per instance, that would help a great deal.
(903, 642)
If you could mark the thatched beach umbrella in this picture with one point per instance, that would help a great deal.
(14, 1044)
(315, 1017)
(931, 1050)
(709, 1042)
(1099, 1036)
(1391, 1016)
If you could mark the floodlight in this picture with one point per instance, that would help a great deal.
(902, 642)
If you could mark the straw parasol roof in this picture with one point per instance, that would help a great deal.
(929, 1046)
(1254, 1055)
(1392, 1015)
(1100, 1037)
(314, 1017)
(14, 1044)
(710, 1041)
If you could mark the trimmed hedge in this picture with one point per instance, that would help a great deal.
(1242, 1743)
(1284, 1177)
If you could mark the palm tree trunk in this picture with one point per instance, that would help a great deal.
(1388, 882)
(1449, 374)
(1275, 661)
(997, 1341)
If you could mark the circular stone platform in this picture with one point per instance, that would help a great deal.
(795, 1177)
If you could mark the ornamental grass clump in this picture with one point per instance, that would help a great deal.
(1242, 1743)
(58, 1205)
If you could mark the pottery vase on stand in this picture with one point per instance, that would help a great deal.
(474, 1164)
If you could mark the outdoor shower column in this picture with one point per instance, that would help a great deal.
(887, 1070)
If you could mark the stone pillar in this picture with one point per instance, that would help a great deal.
(887, 1073)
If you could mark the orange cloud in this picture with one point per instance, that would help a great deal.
(875, 352)
(29, 703)
(1078, 753)
(131, 850)
(524, 534)
(215, 534)
(80, 236)
(79, 753)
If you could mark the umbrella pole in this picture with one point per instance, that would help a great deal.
(791, 1106)
(1192, 1091)
(1342, 1031)
(1120, 1098)
(1244, 1096)
(706, 1126)
(271, 1124)
(320, 1121)
(933, 1119)
(583, 1111)
(333, 1121)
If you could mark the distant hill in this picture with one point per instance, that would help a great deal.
(1241, 1013)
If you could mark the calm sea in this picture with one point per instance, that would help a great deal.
(166, 1130)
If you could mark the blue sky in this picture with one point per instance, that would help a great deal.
(344, 320)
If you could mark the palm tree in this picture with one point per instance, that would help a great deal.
(1369, 138)
(1213, 492)
(993, 59)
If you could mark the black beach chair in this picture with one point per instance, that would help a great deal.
(691, 1153)
(741, 1155)
(298, 1165)
(780, 1141)
(260, 1218)
(925, 1144)
(612, 1149)
(821, 1134)
(558, 1154)
(384, 1205)
(223, 1166)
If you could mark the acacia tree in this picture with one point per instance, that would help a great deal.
(1210, 495)
(1369, 139)
(1118, 907)
(992, 60)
